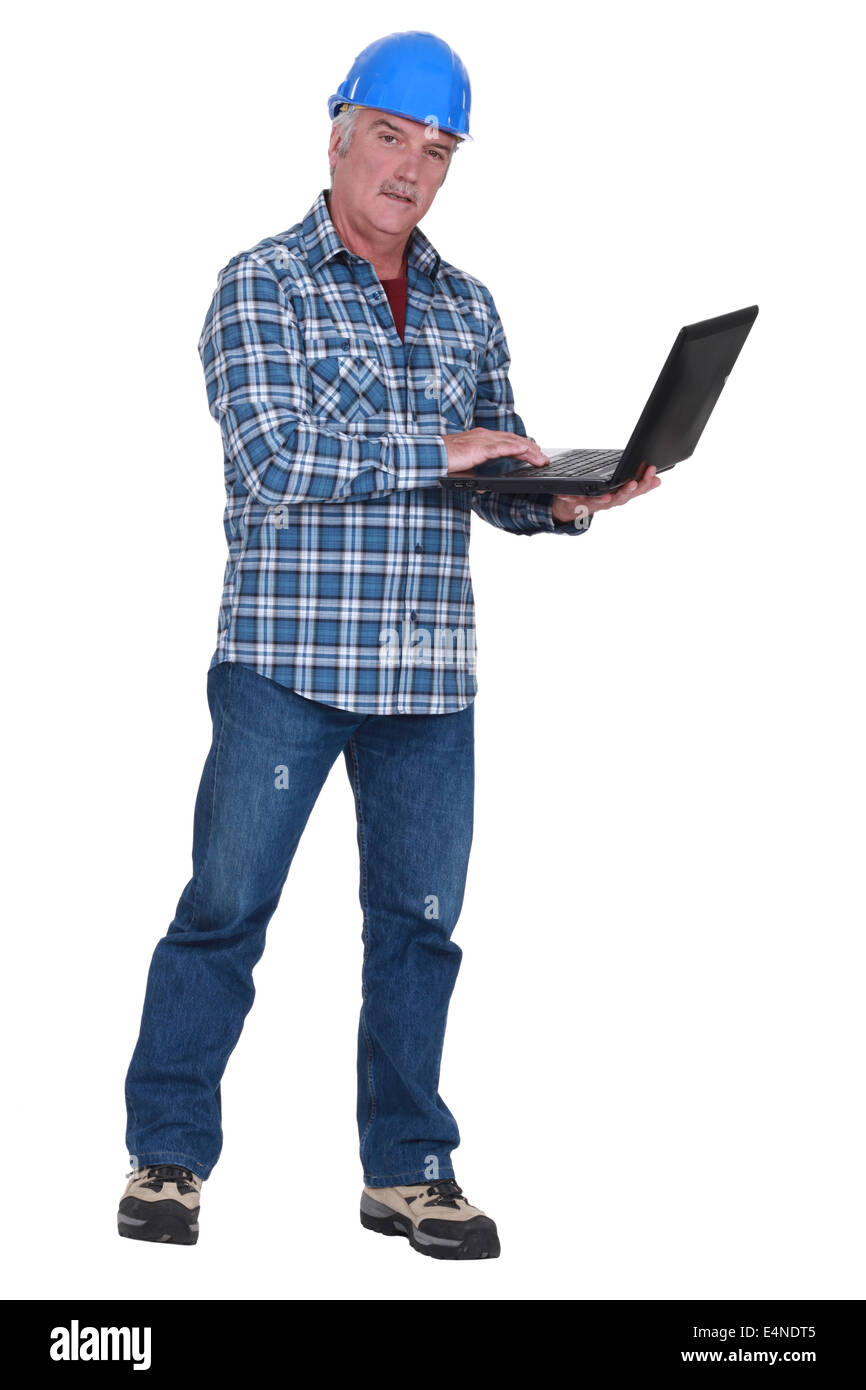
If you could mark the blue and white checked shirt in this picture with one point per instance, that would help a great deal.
(348, 571)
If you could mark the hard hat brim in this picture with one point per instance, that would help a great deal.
(337, 103)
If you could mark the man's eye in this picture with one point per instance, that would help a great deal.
(436, 153)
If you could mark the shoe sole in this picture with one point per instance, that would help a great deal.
(167, 1222)
(479, 1244)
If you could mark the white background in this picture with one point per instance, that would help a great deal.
(655, 1045)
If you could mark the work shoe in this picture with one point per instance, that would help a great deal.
(161, 1203)
(435, 1216)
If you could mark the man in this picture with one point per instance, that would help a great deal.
(350, 368)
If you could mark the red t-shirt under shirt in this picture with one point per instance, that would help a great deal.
(396, 291)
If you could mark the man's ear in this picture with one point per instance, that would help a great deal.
(332, 148)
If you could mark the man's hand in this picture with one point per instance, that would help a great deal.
(470, 447)
(564, 507)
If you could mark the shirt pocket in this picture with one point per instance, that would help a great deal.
(458, 385)
(347, 379)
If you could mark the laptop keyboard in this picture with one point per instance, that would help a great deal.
(575, 464)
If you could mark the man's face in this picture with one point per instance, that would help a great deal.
(390, 155)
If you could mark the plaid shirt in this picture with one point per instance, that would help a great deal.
(348, 571)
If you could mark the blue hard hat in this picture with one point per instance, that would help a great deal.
(415, 75)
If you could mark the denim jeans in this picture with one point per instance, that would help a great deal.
(413, 782)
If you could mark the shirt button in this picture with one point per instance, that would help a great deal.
(414, 614)
(419, 546)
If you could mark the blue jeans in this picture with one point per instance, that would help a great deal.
(413, 783)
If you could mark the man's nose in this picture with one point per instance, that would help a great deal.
(409, 166)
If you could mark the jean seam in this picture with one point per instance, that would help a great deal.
(405, 1178)
(164, 1155)
(217, 755)
(362, 845)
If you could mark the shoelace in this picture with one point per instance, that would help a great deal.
(169, 1171)
(444, 1193)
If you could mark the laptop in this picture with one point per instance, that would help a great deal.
(672, 421)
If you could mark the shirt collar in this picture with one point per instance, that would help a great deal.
(322, 241)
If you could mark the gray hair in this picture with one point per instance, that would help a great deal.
(345, 122)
